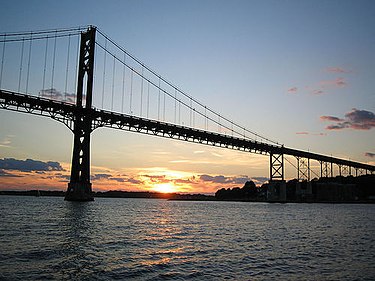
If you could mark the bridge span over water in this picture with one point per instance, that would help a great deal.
(81, 117)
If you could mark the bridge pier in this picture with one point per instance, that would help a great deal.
(276, 191)
(78, 191)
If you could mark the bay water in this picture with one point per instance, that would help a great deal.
(47, 238)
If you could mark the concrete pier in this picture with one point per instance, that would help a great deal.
(79, 192)
(276, 191)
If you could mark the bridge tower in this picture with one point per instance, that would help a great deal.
(79, 187)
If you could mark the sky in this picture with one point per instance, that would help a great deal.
(299, 72)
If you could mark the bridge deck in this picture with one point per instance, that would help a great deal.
(66, 112)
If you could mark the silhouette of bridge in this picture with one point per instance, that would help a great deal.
(119, 91)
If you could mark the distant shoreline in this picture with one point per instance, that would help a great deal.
(167, 196)
(114, 194)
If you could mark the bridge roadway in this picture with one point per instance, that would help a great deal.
(66, 112)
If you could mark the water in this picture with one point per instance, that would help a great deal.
(139, 239)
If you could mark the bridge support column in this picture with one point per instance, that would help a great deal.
(360, 172)
(326, 169)
(344, 170)
(303, 168)
(79, 188)
(276, 187)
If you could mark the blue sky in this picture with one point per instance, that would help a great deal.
(290, 70)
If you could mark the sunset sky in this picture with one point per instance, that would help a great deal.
(299, 72)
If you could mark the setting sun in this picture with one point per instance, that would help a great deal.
(164, 187)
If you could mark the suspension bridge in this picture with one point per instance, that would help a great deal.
(84, 79)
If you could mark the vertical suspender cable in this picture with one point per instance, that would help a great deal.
(175, 105)
(141, 92)
(28, 64)
(218, 124)
(148, 98)
(123, 83)
(131, 92)
(21, 63)
(113, 80)
(2, 62)
(179, 112)
(205, 118)
(194, 117)
(159, 101)
(191, 106)
(45, 66)
(164, 105)
(77, 56)
(67, 69)
(53, 64)
(105, 61)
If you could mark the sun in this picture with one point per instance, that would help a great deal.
(164, 187)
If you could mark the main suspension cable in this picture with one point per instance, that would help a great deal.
(182, 92)
(167, 93)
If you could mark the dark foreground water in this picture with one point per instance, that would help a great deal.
(134, 239)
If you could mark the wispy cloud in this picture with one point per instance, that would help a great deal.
(57, 95)
(337, 70)
(96, 177)
(355, 119)
(6, 141)
(293, 90)
(180, 161)
(259, 180)
(220, 179)
(10, 175)
(338, 82)
(319, 88)
(331, 118)
(115, 177)
(310, 134)
(318, 92)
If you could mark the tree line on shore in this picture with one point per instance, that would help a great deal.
(361, 188)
